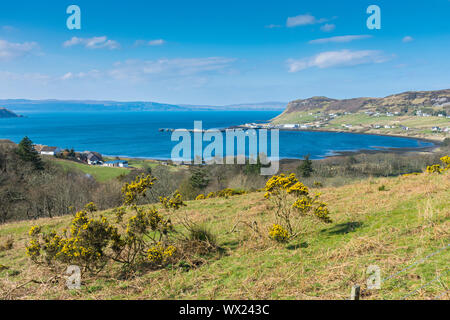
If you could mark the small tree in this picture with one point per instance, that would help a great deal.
(305, 168)
(199, 179)
(27, 153)
(253, 169)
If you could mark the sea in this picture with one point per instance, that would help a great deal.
(137, 134)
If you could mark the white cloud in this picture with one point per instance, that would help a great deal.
(328, 27)
(156, 42)
(407, 39)
(12, 76)
(302, 20)
(272, 26)
(340, 39)
(67, 76)
(138, 69)
(336, 58)
(93, 74)
(9, 28)
(11, 50)
(92, 43)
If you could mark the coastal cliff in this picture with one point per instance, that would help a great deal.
(406, 103)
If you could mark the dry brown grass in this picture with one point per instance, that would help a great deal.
(391, 229)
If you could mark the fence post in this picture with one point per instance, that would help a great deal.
(356, 289)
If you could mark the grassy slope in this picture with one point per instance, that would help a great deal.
(391, 229)
(421, 126)
(99, 173)
(136, 163)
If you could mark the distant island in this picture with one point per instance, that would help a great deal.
(5, 113)
(51, 105)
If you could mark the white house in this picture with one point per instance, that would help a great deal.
(116, 163)
(50, 151)
(290, 126)
(93, 159)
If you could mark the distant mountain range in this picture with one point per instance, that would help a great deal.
(23, 105)
(5, 113)
(405, 103)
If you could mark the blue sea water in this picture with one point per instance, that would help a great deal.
(136, 134)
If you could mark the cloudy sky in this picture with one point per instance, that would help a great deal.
(221, 52)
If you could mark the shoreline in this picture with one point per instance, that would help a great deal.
(434, 141)
(402, 150)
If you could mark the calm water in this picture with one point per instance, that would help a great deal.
(135, 134)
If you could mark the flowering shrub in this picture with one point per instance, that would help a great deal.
(92, 242)
(200, 197)
(84, 245)
(225, 193)
(175, 202)
(278, 233)
(436, 168)
(160, 254)
(292, 200)
(446, 161)
(136, 188)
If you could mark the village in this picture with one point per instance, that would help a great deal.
(320, 120)
(88, 157)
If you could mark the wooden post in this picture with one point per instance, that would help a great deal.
(355, 292)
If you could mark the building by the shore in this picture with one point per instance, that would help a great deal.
(116, 163)
(46, 150)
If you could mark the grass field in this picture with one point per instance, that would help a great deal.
(99, 173)
(420, 127)
(394, 227)
(295, 117)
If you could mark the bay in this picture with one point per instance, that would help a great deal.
(136, 134)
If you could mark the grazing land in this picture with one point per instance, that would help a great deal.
(393, 223)
(99, 173)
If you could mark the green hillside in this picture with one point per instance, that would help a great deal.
(421, 114)
(400, 224)
(99, 173)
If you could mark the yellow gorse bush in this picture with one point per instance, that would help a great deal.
(159, 254)
(138, 187)
(91, 242)
(84, 246)
(200, 197)
(436, 168)
(174, 202)
(224, 193)
(446, 161)
(278, 233)
(292, 200)
(34, 230)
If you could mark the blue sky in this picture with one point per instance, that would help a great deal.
(221, 52)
